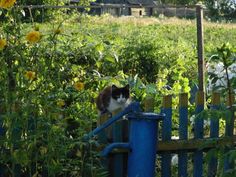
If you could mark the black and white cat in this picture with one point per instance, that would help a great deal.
(113, 98)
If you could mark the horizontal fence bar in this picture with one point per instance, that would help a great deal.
(189, 145)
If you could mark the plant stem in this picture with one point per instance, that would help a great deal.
(230, 102)
(229, 87)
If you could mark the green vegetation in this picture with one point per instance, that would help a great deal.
(51, 73)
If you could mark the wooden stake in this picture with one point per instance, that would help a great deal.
(200, 47)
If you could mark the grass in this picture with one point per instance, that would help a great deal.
(169, 28)
(144, 21)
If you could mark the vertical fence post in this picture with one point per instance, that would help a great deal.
(103, 137)
(230, 119)
(117, 135)
(149, 104)
(166, 135)
(214, 133)
(198, 134)
(229, 130)
(198, 125)
(183, 133)
(200, 47)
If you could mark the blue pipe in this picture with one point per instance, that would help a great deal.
(112, 146)
(133, 107)
(143, 142)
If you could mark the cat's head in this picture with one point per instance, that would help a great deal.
(120, 94)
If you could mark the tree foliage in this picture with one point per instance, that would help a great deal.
(221, 9)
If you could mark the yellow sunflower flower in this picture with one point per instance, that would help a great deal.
(33, 36)
(79, 86)
(7, 3)
(3, 43)
(30, 75)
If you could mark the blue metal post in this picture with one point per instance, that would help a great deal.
(143, 143)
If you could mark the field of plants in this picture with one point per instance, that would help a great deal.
(52, 71)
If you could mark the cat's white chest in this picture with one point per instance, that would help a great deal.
(114, 105)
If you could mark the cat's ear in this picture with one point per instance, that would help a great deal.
(114, 87)
(127, 87)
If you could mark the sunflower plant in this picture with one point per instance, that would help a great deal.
(44, 101)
